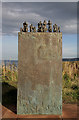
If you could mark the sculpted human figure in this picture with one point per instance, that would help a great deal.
(40, 27)
(25, 27)
(34, 29)
(58, 29)
(31, 27)
(44, 26)
(49, 26)
(55, 28)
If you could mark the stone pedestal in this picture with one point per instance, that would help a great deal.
(39, 73)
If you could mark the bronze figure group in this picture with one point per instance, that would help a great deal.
(42, 27)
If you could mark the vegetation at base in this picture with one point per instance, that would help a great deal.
(70, 88)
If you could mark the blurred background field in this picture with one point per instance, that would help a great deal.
(9, 76)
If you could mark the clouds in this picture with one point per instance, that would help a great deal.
(14, 14)
(63, 14)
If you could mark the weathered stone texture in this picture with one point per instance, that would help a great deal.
(39, 73)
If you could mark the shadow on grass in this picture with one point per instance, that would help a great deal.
(9, 97)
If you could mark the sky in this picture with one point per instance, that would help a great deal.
(64, 14)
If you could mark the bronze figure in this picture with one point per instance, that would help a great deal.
(31, 27)
(44, 26)
(49, 26)
(58, 29)
(55, 28)
(34, 29)
(25, 27)
(40, 27)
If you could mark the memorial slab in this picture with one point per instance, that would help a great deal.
(39, 73)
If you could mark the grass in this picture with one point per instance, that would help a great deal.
(70, 92)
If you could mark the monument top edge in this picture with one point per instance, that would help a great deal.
(23, 33)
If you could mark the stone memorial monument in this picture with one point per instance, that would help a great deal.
(39, 72)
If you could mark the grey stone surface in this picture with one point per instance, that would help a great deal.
(39, 73)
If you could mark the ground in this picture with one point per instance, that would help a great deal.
(69, 111)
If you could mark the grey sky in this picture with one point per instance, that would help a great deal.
(61, 13)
